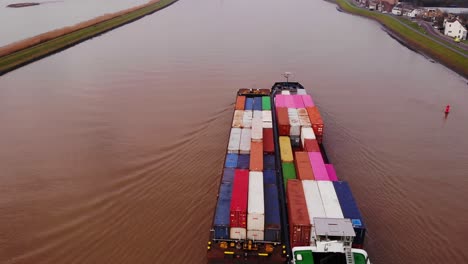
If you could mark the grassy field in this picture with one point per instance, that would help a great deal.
(423, 31)
(420, 42)
(413, 25)
(28, 55)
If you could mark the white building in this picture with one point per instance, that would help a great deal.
(396, 11)
(455, 29)
(413, 13)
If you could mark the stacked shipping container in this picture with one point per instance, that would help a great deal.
(300, 127)
(248, 202)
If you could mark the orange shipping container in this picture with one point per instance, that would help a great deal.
(303, 167)
(316, 120)
(240, 102)
(256, 156)
(299, 222)
(283, 121)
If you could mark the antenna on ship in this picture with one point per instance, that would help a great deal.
(286, 75)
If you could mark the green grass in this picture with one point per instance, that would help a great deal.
(412, 24)
(423, 31)
(22, 57)
(420, 42)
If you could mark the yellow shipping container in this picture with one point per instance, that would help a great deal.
(285, 149)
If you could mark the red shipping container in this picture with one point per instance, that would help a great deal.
(316, 120)
(256, 156)
(240, 188)
(240, 102)
(299, 224)
(311, 145)
(283, 121)
(303, 167)
(268, 143)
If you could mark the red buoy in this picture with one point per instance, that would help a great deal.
(447, 109)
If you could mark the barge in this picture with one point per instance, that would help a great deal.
(280, 200)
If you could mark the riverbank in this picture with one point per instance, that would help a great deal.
(415, 41)
(20, 5)
(32, 49)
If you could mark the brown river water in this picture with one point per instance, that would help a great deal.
(111, 151)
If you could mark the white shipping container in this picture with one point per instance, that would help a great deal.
(237, 233)
(313, 200)
(294, 122)
(314, 203)
(301, 91)
(257, 129)
(306, 133)
(286, 92)
(266, 116)
(246, 137)
(295, 130)
(234, 140)
(247, 120)
(237, 119)
(255, 235)
(257, 114)
(256, 209)
(331, 205)
(304, 121)
(292, 112)
(267, 124)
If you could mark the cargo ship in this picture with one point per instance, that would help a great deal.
(279, 198)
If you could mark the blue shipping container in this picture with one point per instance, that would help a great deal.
(228, 175)
(249, 102)
(243, 161)
(269, 177)
(221, 219)
(231, 160)
(269, 162)
(272, 214)
(257, 103)
(350, 210)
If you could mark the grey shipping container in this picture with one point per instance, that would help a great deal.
(221, 219)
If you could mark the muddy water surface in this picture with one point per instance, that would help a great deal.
(111, 151)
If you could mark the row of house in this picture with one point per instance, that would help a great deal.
(453, 26)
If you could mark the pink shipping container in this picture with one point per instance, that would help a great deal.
(318, 166)
(298, 103)
(289, 101)
(331, 172)
(280, 101)
(307, 100)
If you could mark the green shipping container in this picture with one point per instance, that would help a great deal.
(266, 103)
(289, 172)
